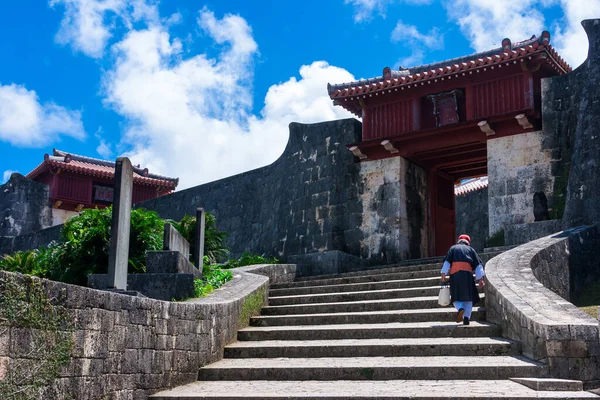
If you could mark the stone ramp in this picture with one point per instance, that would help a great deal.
(365, 390)
(375, 334)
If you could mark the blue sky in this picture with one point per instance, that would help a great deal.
(203, 90)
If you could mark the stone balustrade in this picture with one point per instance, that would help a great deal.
(550, 328)
(127, 347)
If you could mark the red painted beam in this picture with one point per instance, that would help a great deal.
(455, 158)
(460, 149)
(471, 167)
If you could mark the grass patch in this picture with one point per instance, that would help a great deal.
(591, 310)
(589, 299)
(251, 307)
(249, 259)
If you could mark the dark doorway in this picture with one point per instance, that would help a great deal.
(443, 217)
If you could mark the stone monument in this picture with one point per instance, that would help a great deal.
(121, 225)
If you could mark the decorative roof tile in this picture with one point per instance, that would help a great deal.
(470, 185)
(507, 53)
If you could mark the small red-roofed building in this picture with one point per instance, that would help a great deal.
(76, 182)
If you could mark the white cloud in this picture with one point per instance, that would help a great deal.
(410, 36)
(364, 9)
(192, 117)
(485, 23)
(87, 24)
(570, 39)
(104, 148)
(24, 121)
(403, 32)
(6, 175)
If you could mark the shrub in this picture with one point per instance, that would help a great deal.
(213, 277)
(214, 239)
(147, 233)
(84, 247)
(497, 239)
(21, 261)
(250, 259)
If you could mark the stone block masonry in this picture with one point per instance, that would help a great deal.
(302, 203)
(472, 217)
(394, 203)
(174, 241)
(314, 198)
(518, 167)
(128, 347)
(24, 206)
(571, 109)
(550, 329)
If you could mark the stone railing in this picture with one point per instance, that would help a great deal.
(129, 347)
(550, 329)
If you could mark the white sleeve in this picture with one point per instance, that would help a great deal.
(479, 272)
(445, 268)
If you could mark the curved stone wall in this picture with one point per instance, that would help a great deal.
(551, 329)
(129, 347)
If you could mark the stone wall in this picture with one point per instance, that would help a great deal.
(472, 217)
(393, 190)
(129, 347)
(316, 197)
(518, 167)
(584, 265)
(24, 206)
(550, 329)
(33, 240)
(571, 106)
(515, 235)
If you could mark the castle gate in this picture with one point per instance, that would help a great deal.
(448, 119)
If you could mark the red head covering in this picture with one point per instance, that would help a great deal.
(464, 237)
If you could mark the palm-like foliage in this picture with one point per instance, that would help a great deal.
(214, 240)
(19, 261)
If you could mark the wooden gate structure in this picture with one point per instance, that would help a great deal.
(440, 116)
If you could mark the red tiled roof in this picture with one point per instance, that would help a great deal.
(470, 185)
(98, 168)
(509, 53)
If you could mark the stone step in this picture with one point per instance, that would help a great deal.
(432, 279)
(363, 390)
(381, 269)
(409, 303)
(430, 329)
(372, 368)
(355, 296)
(412, 347)
(397, 273)
(445, 314)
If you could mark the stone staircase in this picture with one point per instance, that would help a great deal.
(375, 334)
